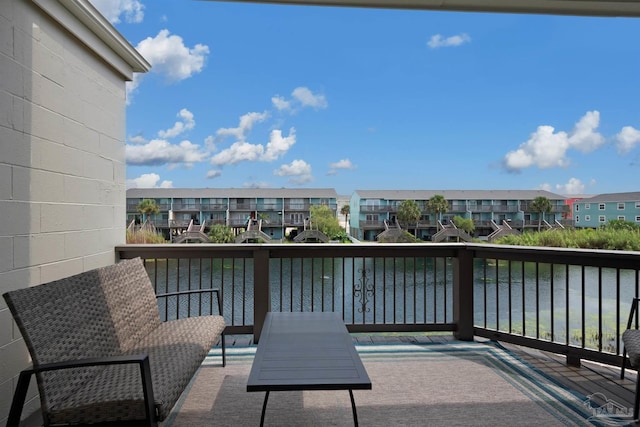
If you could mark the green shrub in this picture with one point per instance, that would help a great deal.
(221, 234)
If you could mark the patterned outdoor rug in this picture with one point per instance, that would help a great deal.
(450, 384)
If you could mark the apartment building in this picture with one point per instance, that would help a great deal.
(598, 210)
(372, 211)
(276, 211)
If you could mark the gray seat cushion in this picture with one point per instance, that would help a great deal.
(176, 350)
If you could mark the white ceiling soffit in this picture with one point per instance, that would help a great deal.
(628, 8)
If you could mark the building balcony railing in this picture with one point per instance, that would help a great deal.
(458, 208)
(372, 224)
(567, 301)
(133, 207)
(481, 208)
(216, 207)
(482, 223)
(526, 207)
(215, 221)
(238, 222)
(185, 207)
(505, 208)
(270, 207)
(242, 206)
(297, 207)
(424, 223)
(376, 208)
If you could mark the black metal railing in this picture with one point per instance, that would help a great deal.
(570, 301)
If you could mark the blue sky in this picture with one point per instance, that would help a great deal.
(250, 95)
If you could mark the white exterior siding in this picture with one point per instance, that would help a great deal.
(62, 163)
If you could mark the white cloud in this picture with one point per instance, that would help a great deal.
(148, 180)
(238, 152)
(584, 138)
(438, 40)
(160, 152)
(214, 173)
(547, 148)
(308, 99)
(171, 58)
(627, 139)
(113, 9)
(280, 103)
(210, 143)
(179, 127)
(544, 149)
(343, 164)
(244, 151)
(244, 127)
(132, 86)
(256, 185)
(301, 97)
(574, 186)
(137, 139)
(298, 171)
(278, 145)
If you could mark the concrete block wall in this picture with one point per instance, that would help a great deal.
(62, 160)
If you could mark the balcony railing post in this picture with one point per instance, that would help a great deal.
(261, 291)
(463, 295)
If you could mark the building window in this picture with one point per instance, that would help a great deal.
(577, 219)
(602, 206)
(296, 204)
(638, 218)
(587, 218)
(577, 208)
(587, 206)
(602, 218)
(620, 206)
(637, 205)
(621, 218)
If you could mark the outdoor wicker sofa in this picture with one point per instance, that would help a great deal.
(100, 352)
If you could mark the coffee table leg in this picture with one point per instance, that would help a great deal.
(353, 408)
(264, 408)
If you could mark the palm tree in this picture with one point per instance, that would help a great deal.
(409, 212)
(147, 207)
(438, 205)
(346, 210)
(541, 205)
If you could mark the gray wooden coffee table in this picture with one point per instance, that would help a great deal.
(306, 351)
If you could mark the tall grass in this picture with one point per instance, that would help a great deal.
(144, 236)
(602, 238)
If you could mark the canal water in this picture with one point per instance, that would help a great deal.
(538, 300)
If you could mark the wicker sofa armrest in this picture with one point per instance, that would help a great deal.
(25, 377)
(632, 313)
